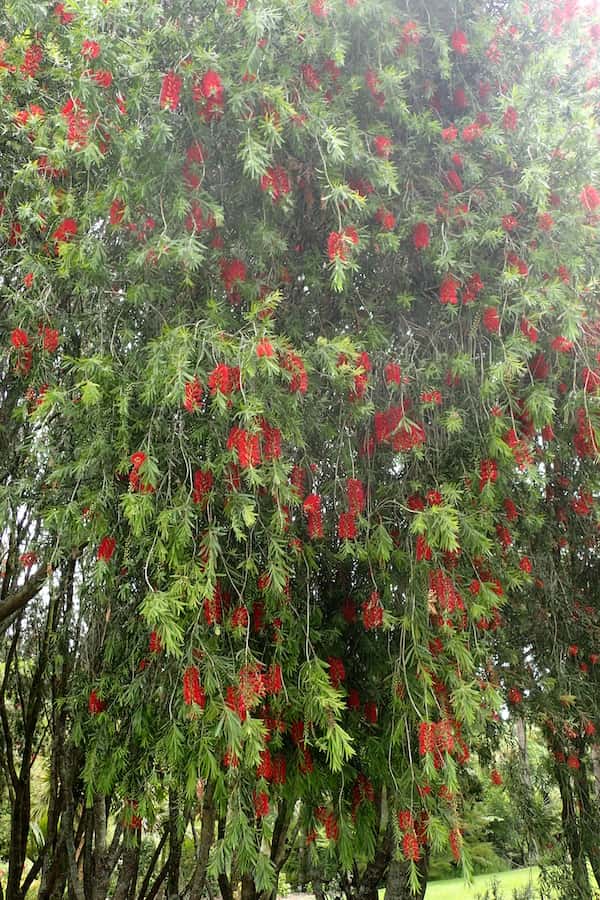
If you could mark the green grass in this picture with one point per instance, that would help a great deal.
(456, 889)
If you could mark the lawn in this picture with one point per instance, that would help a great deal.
(456, 889)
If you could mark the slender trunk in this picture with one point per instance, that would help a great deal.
(19, 831)
(248, 889)
(175, 842)
(207, 836)
(128, 873)
(152, 865)
(398, 884)
(572, 834)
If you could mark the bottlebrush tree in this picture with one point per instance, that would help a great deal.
(301, 300)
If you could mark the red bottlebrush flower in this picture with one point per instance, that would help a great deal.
(235, 702)
(573, 650)
(203, 484)
(423, 550)
(460, 43)
(406, 821)
(246, 447)
(32, 60)
(582, 505)
(416, 503)
(264, 348)
(240, 617)
(455, 841)
(491, 319)
(294, 364)
(539, 367)
(349, 611)
(28, 560)
(265, 767)
(386, 219)
(449, 134)
(276, 182)
(510, 223)
(102, 77)
(310, 77)
(233, 271)
(434, 498)
(545, 222)
(66, 230)
(526, 566)
(573, 762)
(170, 91)
(469, 134)
(448, 291)
(421, 236)
(488, 473)
(589, 198)
(383, 146)
(137, 459)
(155, 643)
(504, 536)
(392, 373)
(116, 212)
(193, 393)
(355, 491)
(238, 6)
(28, 280)
(312, 509)
(319, 9)
(496, 777)
(261, 804)
(372, 612)
(562, 344)
(410, 847)
(95, 704)
(50, 339)
(455, 181)
(510, 119)
(90, 49)
(106, 548)
(224, 379)
(274, 679)
(18, 338)
(353, 702)
(347, 527)
(339, 243)
(515, 696)
(64, 17)
(529, 331)
(590, 379)
(371, 712)
(337, 671)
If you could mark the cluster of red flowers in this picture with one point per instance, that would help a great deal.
(106, 548)
(330, 823)
(372, 612)
(193, 393)
(209, 95)
(238, 6)
(95, 704)
(584, 440)
(261, 804)
(64, 232)
(340, 242)
(246, 446)
(224, 380)
(32, 60)
(170, 91)
(193, 692)
(276, 182)
(193, 167)
(391, 427)
(272, 768)
(491, 319)
(337, 671)
(488, 472)
(293, 363)
(443, 592)
(421, 236)
(155, 643)
(203, 484)
(233, 273)
(312, 510)
(137, 459)
(78, 123)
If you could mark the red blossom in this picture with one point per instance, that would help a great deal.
(95, 704)
(460, 43)
(383, 146)
(511, 118)
(339, 242)
(193, 393)
(448, 291)
(106, 548)
(421, 236)
(170, 91)
(589, 198)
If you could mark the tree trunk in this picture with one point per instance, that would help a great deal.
(175, 842)
(19, 832)
(248, 889)
(572, 834)
(398, 885)
(207, 836)
(128, 875)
